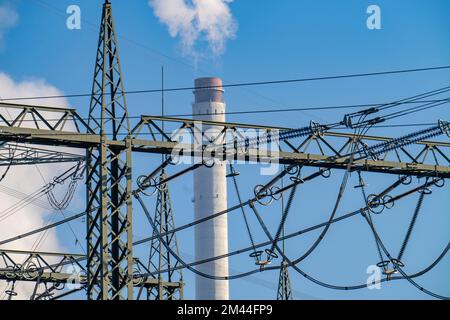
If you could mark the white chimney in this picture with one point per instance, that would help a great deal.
(210, 196)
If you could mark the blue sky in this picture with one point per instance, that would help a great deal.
(274, 40)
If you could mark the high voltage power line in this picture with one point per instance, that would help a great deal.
(423, 105)
(105, 167)
(242, 84)
(274, 110)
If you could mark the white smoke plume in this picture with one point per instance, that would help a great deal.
(27, 179)
(197, 20)
(8, 19)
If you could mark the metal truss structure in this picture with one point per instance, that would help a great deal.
(16, 154)
(170, 284)
(284, 283)
(325, 150)
(108, 141)
(110, 271)
(42, 268)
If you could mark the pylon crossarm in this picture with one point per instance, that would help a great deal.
(52, 267)
(416, 167)
(44, 267)
(321, 149)
(16, 154)
(107, 140)
(42, 117)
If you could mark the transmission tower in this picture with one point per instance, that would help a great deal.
(170, 280)
(107, 270)
(284, 291)
(284, 283)
(109, 183)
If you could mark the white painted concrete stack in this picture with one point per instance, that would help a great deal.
(210, 196)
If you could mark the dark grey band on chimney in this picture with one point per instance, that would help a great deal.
(208, 90)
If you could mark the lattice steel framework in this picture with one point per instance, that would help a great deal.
(17, 154)
(284, 283)
(109, 176)
(49, 271)
(160, 258)
(109, 141)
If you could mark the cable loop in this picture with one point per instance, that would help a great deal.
(144, 183)
(271, 254)
(325, 173)
(406, 180)
(375, 204)
(257, 256)
(260, 195)
(67, 198)
(292, 169)
(296, 179)
(59, 286)
(439, 182)
(425, 191)
(383, 264)
(209, 162)
(11, 293)
(397, 263)
(137, 278)
(275, 194)
(174, 160)
(11, 271)
(31, 271)
(388, 202)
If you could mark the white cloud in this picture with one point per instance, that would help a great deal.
(31, 87)
(27, 179)
(197, 20)
(8, 19)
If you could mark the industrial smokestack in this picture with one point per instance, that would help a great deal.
(210, 196)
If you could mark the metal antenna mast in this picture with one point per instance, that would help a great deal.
(109, 234)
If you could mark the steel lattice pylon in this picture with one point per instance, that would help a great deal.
(284, 291)
(160, 259)
(109, 233)
(284, 284)
(109, 142)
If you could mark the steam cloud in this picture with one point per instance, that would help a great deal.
(197, 20)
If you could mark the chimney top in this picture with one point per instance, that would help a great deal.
(208, 89)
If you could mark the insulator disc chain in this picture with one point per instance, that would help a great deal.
(445, 127)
